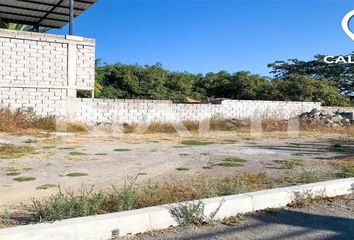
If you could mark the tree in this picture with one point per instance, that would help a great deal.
(154, 82)
(247, 86)
(239, 85)
(341, 74)
(133, 81)
(181, 85)
(303, 88)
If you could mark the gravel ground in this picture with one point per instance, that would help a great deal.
(327, 220)
(155, 159)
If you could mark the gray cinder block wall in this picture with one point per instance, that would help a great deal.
(129, 111)
(44, 71)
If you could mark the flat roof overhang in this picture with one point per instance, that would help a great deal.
(42, 13)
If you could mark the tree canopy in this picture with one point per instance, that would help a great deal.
(340, 74)
(154, 82)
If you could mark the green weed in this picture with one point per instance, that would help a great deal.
(347, 172)
(46, 186)
(76, 153)
(76, 174)
(232, 162)
(121, 150)
(13, 174)
(182, 169)
(24, 179)
(195, 143)
(309, 176)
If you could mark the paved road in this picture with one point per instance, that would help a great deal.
(328, 220)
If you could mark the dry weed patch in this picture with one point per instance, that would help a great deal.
(24, 121)
(9, 151)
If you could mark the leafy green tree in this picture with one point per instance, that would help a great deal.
(240, 85)
(216, 84)
(154, 82)
(247, 86)
(133, 81)
(303, 88)
(340, 74)
(181, 85)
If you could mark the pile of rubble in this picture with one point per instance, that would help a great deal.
(328, 118)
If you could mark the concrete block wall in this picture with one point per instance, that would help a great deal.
(36, 71)
(129, 111)
(121, 110)
(85, 70)
(44, 101)
(243, 109)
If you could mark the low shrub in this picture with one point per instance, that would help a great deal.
(192, 213)
(347, 172)
(309, 176)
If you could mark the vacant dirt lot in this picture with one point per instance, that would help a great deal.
(34, 166)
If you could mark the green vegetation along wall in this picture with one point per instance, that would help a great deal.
(294, 80)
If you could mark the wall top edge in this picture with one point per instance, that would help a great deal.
(263, 101)
(45, 37)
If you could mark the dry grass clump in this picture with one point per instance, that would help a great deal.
(223, 124)
(243, 126)
(216, 124)
(345, 163)
(192, 126)
(161, 127)
(22, 121)
(25, 121)
(290, 164)
(72, 127)
(319, 126)
(219, 124)
(274, 125)
(76, 127)
(129, 128)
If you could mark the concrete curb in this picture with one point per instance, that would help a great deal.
(159, 217)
